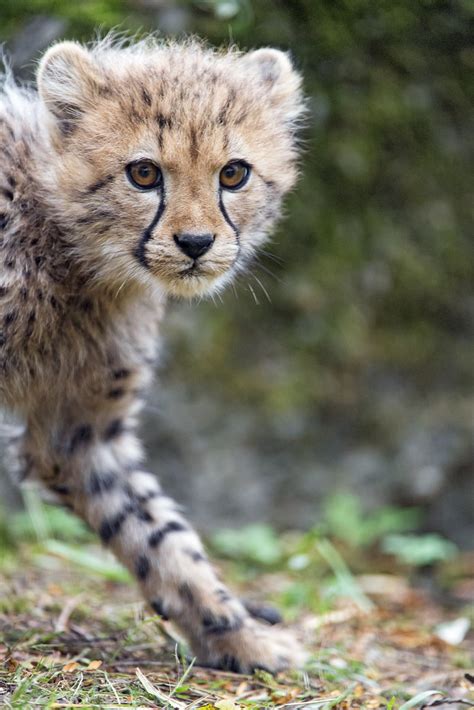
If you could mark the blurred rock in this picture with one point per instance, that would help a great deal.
(35, 36)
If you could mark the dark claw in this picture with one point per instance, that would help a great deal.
(264, 612)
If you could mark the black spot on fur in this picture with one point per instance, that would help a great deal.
(111, 526)
(113, 430)
(157, 537)
(100, 184)
(86, 305)
(53, 301)
(163, 121)
(142, 567)
(116, 393)
(146, 96)
(30, 323)
(3, 220)
(196, 556)
(7, 193)
(223, 595)
(80, 436)
(39, 261)
(10, 263)
(3, 339)
(121, 374)
(185, 591)
(10, 318)
(265, 612)
(143, 515)
(158, 607)
(100, 482)
(223, 115)
(3, 291)
(229, 663)
(145, 497)
(60, 490)
(220, 624)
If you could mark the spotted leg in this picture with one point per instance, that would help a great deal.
(91, 460)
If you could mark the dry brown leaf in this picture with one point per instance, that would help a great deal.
(70, 667)
(94, 665)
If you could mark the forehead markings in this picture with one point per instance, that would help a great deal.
(164, 123)
(193, 144)
(223, 115)
(146, 97)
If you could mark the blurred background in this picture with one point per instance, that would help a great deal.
(337, 379)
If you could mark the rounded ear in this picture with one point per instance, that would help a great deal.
(273, 68)
(68, 82)
(272, 65)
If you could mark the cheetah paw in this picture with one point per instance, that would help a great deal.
(254, 646)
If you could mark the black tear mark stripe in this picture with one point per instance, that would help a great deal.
(225, 214)
(139, 251)
(157, 537)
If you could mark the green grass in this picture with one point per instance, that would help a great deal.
(74, 632)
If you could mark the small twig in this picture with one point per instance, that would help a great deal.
(447, 701)
(154, 691)
(63, 618)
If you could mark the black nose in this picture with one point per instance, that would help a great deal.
(194, 245)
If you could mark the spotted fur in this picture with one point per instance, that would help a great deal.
(87, 262)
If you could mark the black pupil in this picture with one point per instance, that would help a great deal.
(231, 171)
(144, 171)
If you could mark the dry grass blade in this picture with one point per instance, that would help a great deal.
(153, 691)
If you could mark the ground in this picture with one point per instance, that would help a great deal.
(381, 634)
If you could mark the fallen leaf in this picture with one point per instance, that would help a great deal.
(70, 667)
(94, 665)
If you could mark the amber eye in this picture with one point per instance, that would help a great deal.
(144, 174)
(234, 175)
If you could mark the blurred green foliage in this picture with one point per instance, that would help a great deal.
(377, 257)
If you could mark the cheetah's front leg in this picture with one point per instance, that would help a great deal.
(95, 471)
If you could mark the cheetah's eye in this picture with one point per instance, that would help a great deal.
(234, 175)
(144, 174)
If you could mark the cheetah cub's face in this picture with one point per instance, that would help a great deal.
(169, 162)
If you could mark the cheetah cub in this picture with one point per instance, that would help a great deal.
(133, 174)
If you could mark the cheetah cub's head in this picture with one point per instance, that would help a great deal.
(169, 162)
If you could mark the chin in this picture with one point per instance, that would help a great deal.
(195, 285)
